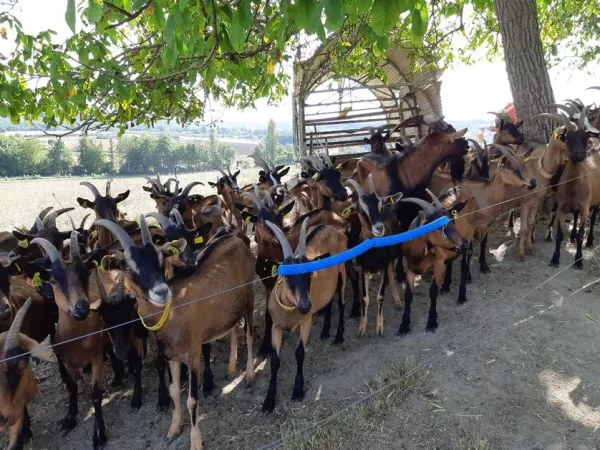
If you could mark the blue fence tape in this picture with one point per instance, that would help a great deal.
(363, 247)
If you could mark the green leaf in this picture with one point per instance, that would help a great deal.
(244, 14)
(334, 10)
(70, 15)
(304, 11)
(159, 16)
(384, 15)
(283, 23)
(94, 11)
(183, 4)
(127, 5)
(363, 5)
(237, 35)
(169, 32)
(419, 22)
(315, 25)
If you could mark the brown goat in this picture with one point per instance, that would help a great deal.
(296, 298)
(18, 385)
(186, 333)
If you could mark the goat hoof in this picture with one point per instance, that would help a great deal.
(589, 244)
(298, 395)
(338, 340)
(404, 330)
(67, 424)
(431, 328)
(163, 404)
(578, 265)
(169, 438)
(485, 269)
(554, 263)
(117, 382)
(325, 335)
(268, 405)
(136, 403)
(462, 300)
(354, 314)
(99, 441)
(265, 350)
(445, 289)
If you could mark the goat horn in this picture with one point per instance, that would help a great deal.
(92, 188)
(433, 120)
(39, 225)
(436, 201)
(82, 225)
(12, 337)
(176, 191)
(146, 235)
(559, 118)
(577, 103)
(108, 183)
(44, 212)
(121, 287)
(118, 232)
(476, 145)
(72, 223)
(268, 200)
(569, 109)
(427, 207)
(224, 174)
(285, 245)
(274, 188)
(261, 162)
(257, 202)
(582, 118)
(50, 219)
(101, 288)
(167, 184)
(596, 88)
(371, 184)
(317, 162)
(162, 220)
(301, 249)
(356, 186)
(154, 184)
(51, 251)
(505, 150)
(327, 160)
(158, 179)
(74, 245)
(178, 218)
(189, 187)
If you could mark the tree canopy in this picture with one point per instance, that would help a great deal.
(134, 62)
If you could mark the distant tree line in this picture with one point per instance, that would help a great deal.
(130, 156)
(272, 150)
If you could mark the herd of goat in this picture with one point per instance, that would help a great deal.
(189, 275)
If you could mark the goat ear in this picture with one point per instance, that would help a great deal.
(367, 140)
(37, 350)
(287, 208)
(284, 172)
(22, 236)
(174, 248)
(203, 229)
(116, 261)
(457, 134)
(236, 174)
(240, 207)
(16, 266)
(458, 207)
(122, 196)
(36, 270)
(323, 256)
(147, 189)
(95, 258)
(386, 137)
(341, 166)
(248, 217)
(84, 203)
(211, 184)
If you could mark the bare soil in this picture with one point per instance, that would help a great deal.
(526, 378)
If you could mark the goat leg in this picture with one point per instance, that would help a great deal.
(269, 402)
(590, 237)
(578, 254)
(464, 270)
(555, 261)
(447, 277)
(353, 275)
(161, 366)
(551, 223)
(68, 423)
(135, 367)
(327, 321)
(175, 393)
(511, 222)
(192, 406)
(482, 262)
(208, 382)
(99, 437)
(298, 392)
(266, 347)
(394, 287)
(573, 235)
(362, 329)
(17, 434)
(249, 341)
(408, 296)
(469, 256)
(380, 297)
(233, 349)
(339, 337)
(438, 271)
(118, 368)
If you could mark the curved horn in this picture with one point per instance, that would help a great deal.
(178, 218)
(158, 179)
(268, 200)
(559, 118)
(167, 184)
(301, 249)
(108, 183)
(427, 207)
(12, 337)
(224, 174)
(261, 162)
(50, 219)
(476, 145)
(39, 225)
(162, 220)
(257, 202)
(505, 150)
(74, 245)
(92, 188)
(285, 245)
(146, 235)
(51, 251)
(356, 186)
(154, 184)
(371, 184)
(44, 212)
(569, 109)
(582, 118)
(596, 88)
(436, 201)
(317, 162)
(433, 120)
(118, 232)
(101, 288)
(121, 287)
(188, 188)
(274, 188)
(82, 225)
(72, 223)
(327, 160)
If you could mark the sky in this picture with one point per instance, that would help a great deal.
(468, 92)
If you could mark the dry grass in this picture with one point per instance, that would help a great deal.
(469, 440)
(388, 390)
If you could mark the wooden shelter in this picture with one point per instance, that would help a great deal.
(339, 111)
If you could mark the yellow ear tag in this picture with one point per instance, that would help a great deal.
(452, 140)
(454, 214)
(392, 201)
(526, 159)
(84, 205)
(36, 281)
(24, 243)
(18, 268)
(174, 250)
(198, 240)
(274, 270)
(248, 219)
(339, 166)
(315, 176)
(346, 213)
(287, 216)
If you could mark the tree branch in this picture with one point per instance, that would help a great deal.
(130, 17)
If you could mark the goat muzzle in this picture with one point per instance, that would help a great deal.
(80, 310)
(532, 184)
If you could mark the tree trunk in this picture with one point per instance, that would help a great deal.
(525, 65)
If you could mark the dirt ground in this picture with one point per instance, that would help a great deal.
(514, 371)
